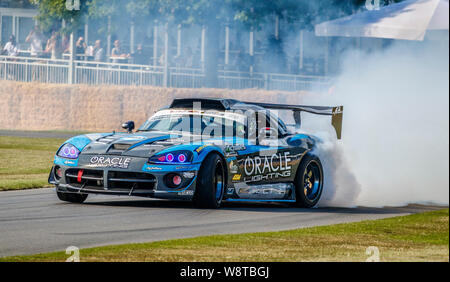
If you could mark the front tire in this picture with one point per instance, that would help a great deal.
(72, 197)
(309, 181)
(210, 183)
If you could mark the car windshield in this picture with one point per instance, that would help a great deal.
(211, 125)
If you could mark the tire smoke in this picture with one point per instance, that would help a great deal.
(394, 149)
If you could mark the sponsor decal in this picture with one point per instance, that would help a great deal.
(233, 167)
(230, 191)
(113, 162)
(153, 168)
(186, 193)
(236, 177)
(263, 168)
(231, 150)
(274, 191)
(69, 162)
(199, 149)
(189, 174)
(181, 167)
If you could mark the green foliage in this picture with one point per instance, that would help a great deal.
(248, 13)
(52, 12)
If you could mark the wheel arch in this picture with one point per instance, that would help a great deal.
(311, 155)
(219, 152)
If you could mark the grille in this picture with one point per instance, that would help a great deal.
(131, 180)
(92, 179)
(119, 181)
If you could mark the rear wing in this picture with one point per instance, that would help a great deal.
(336, 113)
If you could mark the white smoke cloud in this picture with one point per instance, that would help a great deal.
(394, 149)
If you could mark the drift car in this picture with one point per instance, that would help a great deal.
(224, 150)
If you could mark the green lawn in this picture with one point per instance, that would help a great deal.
(26, 162)
(419, 237)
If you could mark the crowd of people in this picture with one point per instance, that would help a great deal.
(57, 46)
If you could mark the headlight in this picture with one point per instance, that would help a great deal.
(68, 151)
(177, 157)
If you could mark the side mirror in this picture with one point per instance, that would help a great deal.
(129, 126)
(268, 133)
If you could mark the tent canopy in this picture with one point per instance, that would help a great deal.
(408, 20)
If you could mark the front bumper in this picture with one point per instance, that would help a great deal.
(138, 179)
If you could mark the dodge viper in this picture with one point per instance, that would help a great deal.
(203, 150)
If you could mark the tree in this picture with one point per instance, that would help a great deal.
(251, 14)
(52, 12)
(212, 14)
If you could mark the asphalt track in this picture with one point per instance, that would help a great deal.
(35, 221)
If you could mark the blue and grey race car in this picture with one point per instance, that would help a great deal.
(203, 150)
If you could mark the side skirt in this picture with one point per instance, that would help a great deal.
(254, 200)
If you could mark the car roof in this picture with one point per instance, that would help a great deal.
(220, 104)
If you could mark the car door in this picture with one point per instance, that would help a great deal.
(266, 159)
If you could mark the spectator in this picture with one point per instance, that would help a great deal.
(35, 38)
(54, 47)
(49, 41)
(10, 47)
(80, 47)
(140, 58)
(65, 44)
(90, 51)
(99, 52)
(117, 52)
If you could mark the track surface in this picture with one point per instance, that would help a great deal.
(35, 221)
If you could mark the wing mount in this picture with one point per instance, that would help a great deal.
(336, 113)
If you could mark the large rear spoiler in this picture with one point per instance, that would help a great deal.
(336, 113)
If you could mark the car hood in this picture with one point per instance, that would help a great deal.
(139, 144)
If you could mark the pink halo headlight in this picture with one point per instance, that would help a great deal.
(181, 158)
(174, 157)
(170, 157)
(68, 151)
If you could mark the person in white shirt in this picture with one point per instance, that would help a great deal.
(10, 47)
(35, 38)
(98, 51)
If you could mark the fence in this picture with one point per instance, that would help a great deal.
(28, 69)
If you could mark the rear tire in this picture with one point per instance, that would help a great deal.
(211, 181)
(72, 197)
(309, 181)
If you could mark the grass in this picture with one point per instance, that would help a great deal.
(26, 162)
(418, 237)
